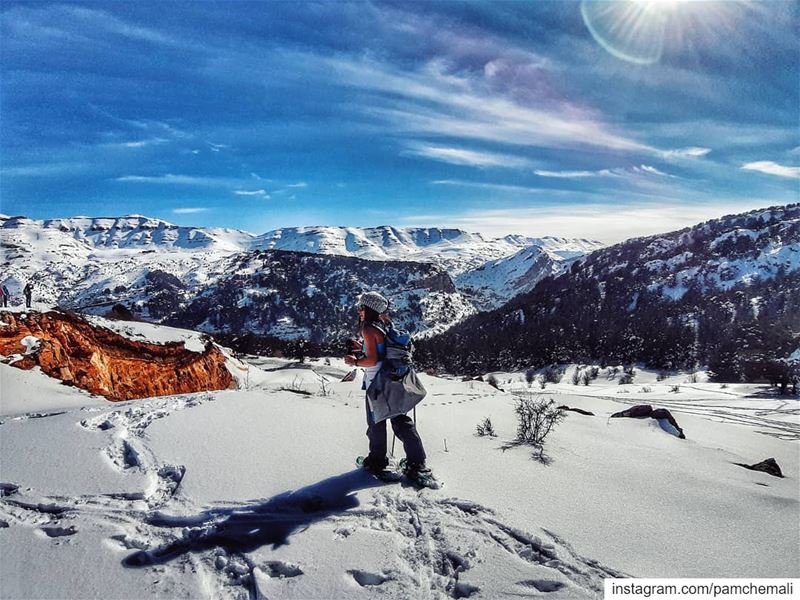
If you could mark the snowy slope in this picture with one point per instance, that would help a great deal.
(252, 493)
(721, 254)
(497, 281)
(558, 247)
(293, 295)
(455, 250)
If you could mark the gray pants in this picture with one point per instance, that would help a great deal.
(404, 429)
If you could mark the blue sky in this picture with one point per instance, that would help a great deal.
(595, 119)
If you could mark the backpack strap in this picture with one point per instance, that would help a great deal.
(380, 326)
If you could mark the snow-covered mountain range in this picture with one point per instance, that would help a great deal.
(454, 250)
(93, 263)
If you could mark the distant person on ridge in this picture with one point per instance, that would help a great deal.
(28, 291)
(370, 353)
(4, 295)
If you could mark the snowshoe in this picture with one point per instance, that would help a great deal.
(420, 475)
(387, 473)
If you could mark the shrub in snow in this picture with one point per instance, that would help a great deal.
(296, 387)
(324, 387)
(627, 376)
(492, 381)
(692, 378)
(535, 420)
(661, 377)
(576, 376)
(485, 428)
(541, 381)
(586, 377)
(554, 374)
(646, 389)
(530, 375)
(674, 389)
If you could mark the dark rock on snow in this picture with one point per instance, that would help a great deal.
(769, 466)
(643, 411)
(640, 411)
(577, 410)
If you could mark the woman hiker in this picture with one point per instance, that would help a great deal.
(372, 308)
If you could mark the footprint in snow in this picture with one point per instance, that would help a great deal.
(59, 531)
(364, 578)
(278, 568)
(6, 489)
(463, 590)
(542, 585)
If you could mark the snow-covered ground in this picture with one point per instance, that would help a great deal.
(253, 492)
(152, 333)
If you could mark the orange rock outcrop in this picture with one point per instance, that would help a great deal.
(106, 363)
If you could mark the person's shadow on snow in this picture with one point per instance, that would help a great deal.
(245, 528)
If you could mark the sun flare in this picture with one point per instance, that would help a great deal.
(636, 30)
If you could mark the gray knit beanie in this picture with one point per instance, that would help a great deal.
(374, 301)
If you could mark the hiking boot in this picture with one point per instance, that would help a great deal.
(412, 468)
(419, 474)
(373, 465)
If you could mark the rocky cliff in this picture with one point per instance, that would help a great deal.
(67, 347)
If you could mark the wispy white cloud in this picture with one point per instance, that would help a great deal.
(595, 220)
(76, 24)
(772, 168)
(217, 147)
(617, 172)
(170, 178)
(260, 193)
(299, 184)
(492, 186)
(188, 210)
(722, 134)
(425, 101)
(43, 169)
(570, 174)
(690, 152)
(102, 20)
(472, 158)
(136, 143)
(650, 170)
